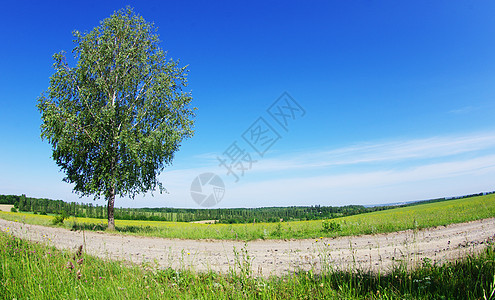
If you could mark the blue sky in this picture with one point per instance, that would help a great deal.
(398, 97)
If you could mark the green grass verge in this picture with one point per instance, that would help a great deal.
(412, 217)
(35, 271)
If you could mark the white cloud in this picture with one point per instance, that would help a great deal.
(462, 110)
(423, 168)
(421, 182)
(417, 149)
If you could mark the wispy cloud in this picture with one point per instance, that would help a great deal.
(394, 151)
(365, 173)
(462, 110)
(381, 186)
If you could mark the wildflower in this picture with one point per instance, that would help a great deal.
(70, 265)
(79, 251)
(80, 261)
(78, 274)
(188, 253)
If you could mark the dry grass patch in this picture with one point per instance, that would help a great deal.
(6, 207)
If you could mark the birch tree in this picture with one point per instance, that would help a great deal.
(116, 118)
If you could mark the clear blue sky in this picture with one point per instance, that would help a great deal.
(398, 96)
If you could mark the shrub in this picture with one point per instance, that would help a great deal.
(13, 209)
(330, 226)
(59, 219)
(278, 230)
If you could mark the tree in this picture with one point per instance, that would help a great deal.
(116, 119)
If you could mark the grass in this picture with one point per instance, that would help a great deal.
(413, 217)
(36, 271)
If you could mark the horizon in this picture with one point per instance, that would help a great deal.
(261, 207)
(365, 103)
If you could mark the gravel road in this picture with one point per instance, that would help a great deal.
(274, 257)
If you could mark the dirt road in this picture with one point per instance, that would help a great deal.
(274, 257)
(6, 207)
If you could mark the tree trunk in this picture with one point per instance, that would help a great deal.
(111, 201)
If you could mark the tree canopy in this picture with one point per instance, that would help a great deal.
(116, 119)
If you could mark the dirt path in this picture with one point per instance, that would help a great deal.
(6, 207)
(274, 257)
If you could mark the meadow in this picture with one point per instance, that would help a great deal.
(30, 270)
(36, 271)
(403, 218)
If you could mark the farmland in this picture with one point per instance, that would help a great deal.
(41, 270)
(45, 206)
(391, 220)
(318, 259)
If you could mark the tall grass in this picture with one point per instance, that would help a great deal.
(35, 271)
(413, 217)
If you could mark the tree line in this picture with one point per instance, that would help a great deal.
(220, 215)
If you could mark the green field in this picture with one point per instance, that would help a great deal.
(411, 217)
(36, 271)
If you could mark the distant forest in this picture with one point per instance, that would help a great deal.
(221, 215)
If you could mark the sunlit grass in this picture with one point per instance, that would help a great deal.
(412, 217)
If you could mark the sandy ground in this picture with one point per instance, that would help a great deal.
(274, 257)
(206, 222)
(6, 207)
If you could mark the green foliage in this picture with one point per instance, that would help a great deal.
(330, 226)
(9, 199)
(116, 119)
(12, 209)
(278, 231)
(59, 219)
(242, 268)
